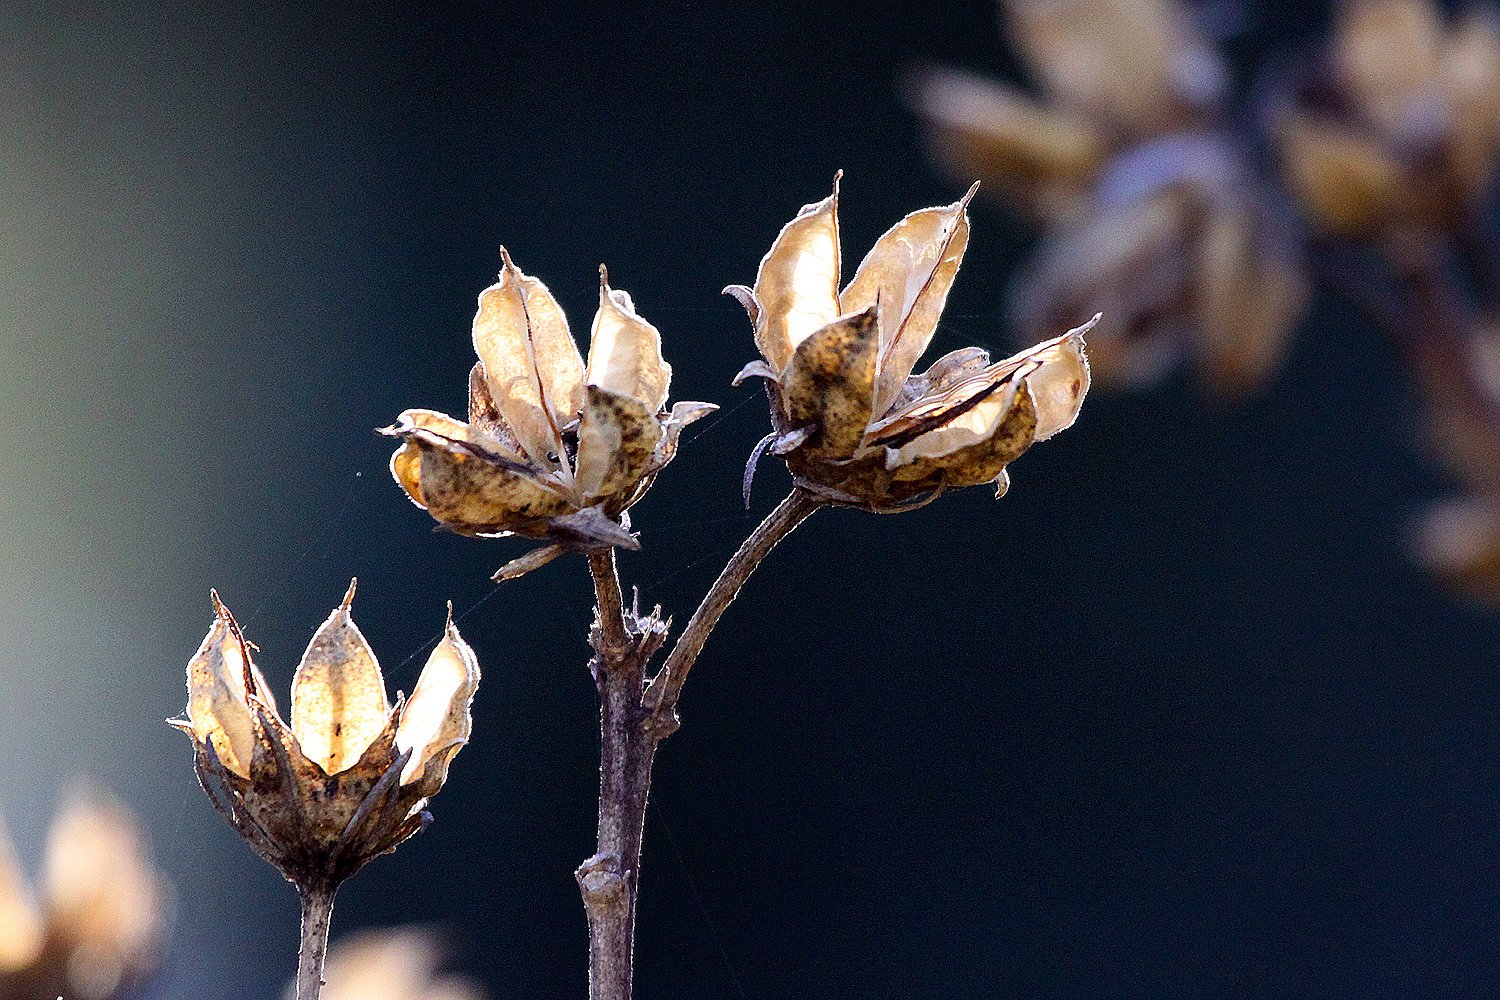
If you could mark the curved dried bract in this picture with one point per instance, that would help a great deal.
(548, 437)
(908, 274)
(435, 722)
(617, 437)
(625, 351)
(338, 694)
(854, 424)
(531, 366)
(797, 284)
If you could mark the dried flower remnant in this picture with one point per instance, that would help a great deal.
(1137, 68)
(855, 425)
(347, 780)
(1155, 217)
(1400, 127)
(396, 964)
(96, 931)
(1185, 252)
(553, 449)
(1390, 142)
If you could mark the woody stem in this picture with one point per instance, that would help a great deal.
(609, 880)
(317, 912)
(629, 733)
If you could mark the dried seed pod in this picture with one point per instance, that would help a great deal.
(554, 448)
(1404, 131)
(349, 778)
(855, 425)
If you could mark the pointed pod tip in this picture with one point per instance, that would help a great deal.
(221, 610)
(963, 202)
(505, 258)
(603, 277)
(349, 594)
(1079, 331)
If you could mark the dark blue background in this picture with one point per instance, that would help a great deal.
(1175, 718)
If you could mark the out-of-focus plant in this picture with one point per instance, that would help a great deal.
(94, 927)
(400, 963)
(1195, 213)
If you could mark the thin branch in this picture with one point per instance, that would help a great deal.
(667, 685)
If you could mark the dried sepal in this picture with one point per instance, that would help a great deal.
(969, 449)
(521, 565)
(222, 678)
(339, 703)
(907, 275)
(97, 880)
(617, 438)
(797, 285)
(682, 414)
(625, 351)
(1056, 374)
(435, 720)
(320, 797)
